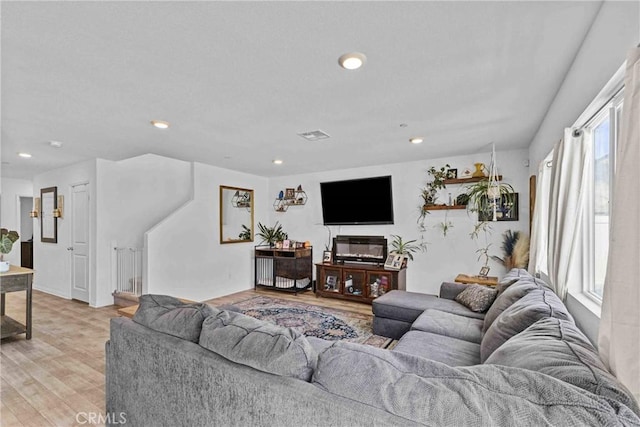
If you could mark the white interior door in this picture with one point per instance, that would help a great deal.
(80, 242)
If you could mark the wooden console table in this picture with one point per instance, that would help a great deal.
(15, 280)
(489, 280)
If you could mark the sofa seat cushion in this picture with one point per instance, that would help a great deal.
(431, 393)
(450, 325)
(401, 305)
(443, 349)
(558, 348)
(259, 344)
(171, 316)
(519, 316)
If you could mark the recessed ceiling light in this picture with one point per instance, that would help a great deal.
(352, 61)
(416, 140)
(55, 144)
(160, 124)
(277, 162)
(25, 155)
(403, 125)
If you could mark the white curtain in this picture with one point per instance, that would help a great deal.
(540, 224)
(569, 188)
(619, 334)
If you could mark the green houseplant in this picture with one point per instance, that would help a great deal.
(271, 235)
(406, 248)
(245, 234)
(7, 239)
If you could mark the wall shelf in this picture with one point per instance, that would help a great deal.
(442, 207)
(468, 180)
(290, 197)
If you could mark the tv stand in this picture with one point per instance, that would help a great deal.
(357, 282)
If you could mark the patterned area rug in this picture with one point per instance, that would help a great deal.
(312, 320)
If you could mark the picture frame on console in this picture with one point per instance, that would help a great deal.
(326, 257)
(394, 261)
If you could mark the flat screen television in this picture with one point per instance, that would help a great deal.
(363, 201)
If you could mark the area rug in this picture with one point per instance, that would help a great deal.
(312, 320)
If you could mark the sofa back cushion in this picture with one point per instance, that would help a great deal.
(424, 391)
(259, 344)
(513, 276)
(558, 348)
(171, 316)
(505, 299)
(519, 316)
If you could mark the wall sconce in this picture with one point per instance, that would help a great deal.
(35, 213)
(58, 212)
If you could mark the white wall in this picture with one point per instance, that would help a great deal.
(52, 261)
(446, 256)
(132, 196)
(615, 31)
(12, 190)
(184, 257)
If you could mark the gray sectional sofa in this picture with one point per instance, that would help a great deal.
(523, 362)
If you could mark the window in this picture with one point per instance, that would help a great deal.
(604, 130)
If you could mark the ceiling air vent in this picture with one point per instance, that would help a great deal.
(314, 135)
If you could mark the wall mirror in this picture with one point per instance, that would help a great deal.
(236, 215)
(48, 223)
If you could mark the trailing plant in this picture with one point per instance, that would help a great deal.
(478, 195)
(408, 248)
(7, 239)
(271, 235)
(445, 226)
(430, 191)
(245, 234)
(515, 249)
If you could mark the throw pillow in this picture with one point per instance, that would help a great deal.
(171, 316)
(477, 298)
(262, 345)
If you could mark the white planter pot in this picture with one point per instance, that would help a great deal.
(4, 266)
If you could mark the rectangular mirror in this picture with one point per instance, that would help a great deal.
(236, 215)
(48, 223)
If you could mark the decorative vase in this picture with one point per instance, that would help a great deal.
(4, 266)
(479, 172)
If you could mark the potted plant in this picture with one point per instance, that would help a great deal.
(406, 248)
(430, 191)
(245, 234)
(271, 235)
(7, 239)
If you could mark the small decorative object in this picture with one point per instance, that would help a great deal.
(374, 288)
(452, 173)
(462, 199)
(281, 195)
(484, 271)
(331, 283)
(466, 173)
(350, 289)
(7, 239)
(384, 285)
(394, 261)
(278, 245)
(326, 257)
(479, 172)
(349, 283)
(515, 247)
(285, 244)
(290, 193)
(307, 244)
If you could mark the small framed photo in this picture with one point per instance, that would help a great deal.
(290, 193)
(286, 244)
(394, 261)
(484, 272)
(452, 173)
(326, 257)
(466, 173)
(331, 283)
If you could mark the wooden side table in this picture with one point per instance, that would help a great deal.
(489, 280)
(15, 280)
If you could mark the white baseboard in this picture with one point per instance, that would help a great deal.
(55, 292)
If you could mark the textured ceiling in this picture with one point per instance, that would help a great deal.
(239, 80)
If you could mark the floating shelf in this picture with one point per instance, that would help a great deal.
(442, 207)
(468, 180)
(292, 197)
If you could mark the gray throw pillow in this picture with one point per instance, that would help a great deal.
(171, 316)
(477, 298)
(558, 348)
(519, 316)
(259, 344)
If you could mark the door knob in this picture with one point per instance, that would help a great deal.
(70, 248)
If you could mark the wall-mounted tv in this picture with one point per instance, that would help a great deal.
(357, 201)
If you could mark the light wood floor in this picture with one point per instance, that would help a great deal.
(58, 376)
